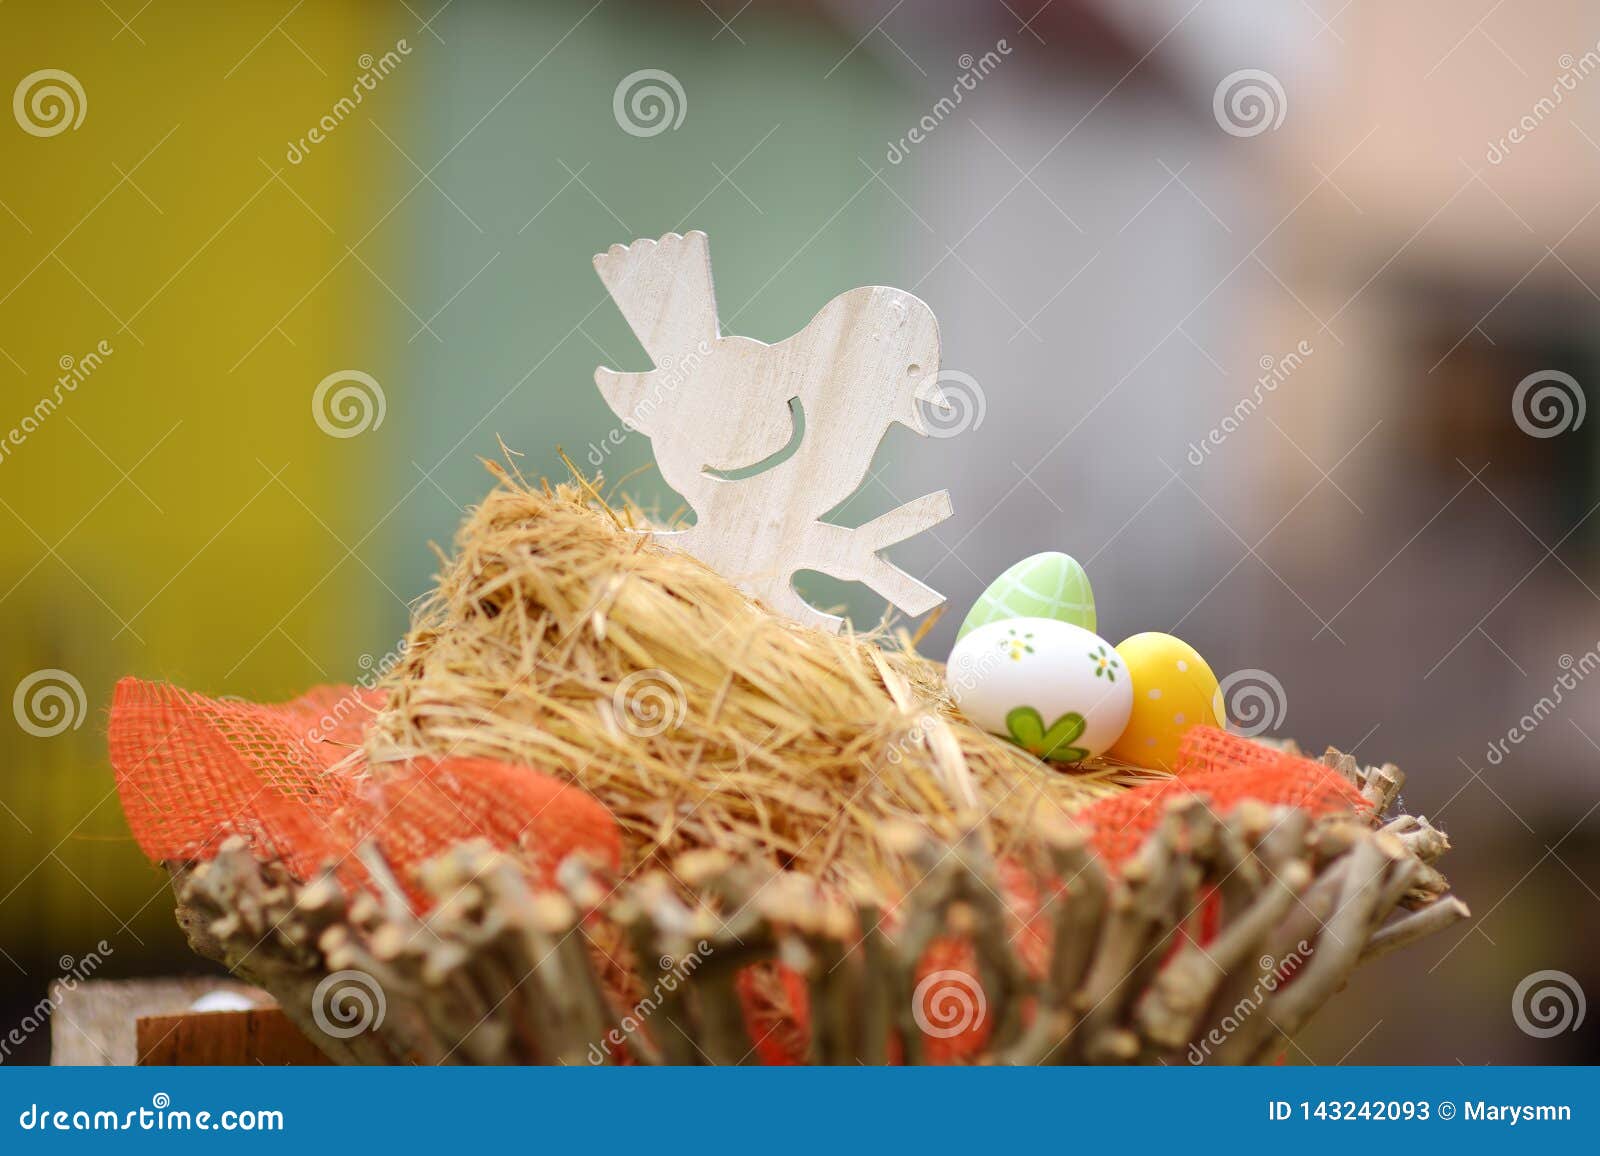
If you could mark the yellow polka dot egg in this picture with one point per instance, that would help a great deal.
(1173, 690)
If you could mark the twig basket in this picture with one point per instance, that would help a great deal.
(593, 972)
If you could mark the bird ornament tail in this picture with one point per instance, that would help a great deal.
(663, 289)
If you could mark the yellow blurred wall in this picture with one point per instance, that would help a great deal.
(168, 517)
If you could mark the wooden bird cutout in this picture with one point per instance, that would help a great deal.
(715, 405)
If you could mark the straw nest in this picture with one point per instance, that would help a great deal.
(562, 637)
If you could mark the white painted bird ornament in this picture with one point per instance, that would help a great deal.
(717, 407)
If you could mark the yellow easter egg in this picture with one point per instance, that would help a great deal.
(1173, 690)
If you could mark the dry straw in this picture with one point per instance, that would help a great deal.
(561, 637)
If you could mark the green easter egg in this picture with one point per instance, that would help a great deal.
(1048, 585)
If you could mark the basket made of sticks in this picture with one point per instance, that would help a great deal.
(1215, 942)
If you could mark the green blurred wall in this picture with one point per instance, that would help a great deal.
(551, 179)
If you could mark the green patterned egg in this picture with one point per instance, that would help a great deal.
(1048, 585)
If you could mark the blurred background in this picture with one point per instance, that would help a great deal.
(1281, 317)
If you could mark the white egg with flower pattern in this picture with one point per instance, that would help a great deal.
(1055, 689)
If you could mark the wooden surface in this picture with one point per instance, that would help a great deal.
(719, 412)
(259, 1036)
(94, 1021)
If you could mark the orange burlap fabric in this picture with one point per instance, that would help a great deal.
(293, 780)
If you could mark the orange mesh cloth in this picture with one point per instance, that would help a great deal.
(1207, 749)
(1226, 769)
(777, 1012)
(291, 779)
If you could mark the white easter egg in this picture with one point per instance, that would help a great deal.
(1055, 689)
